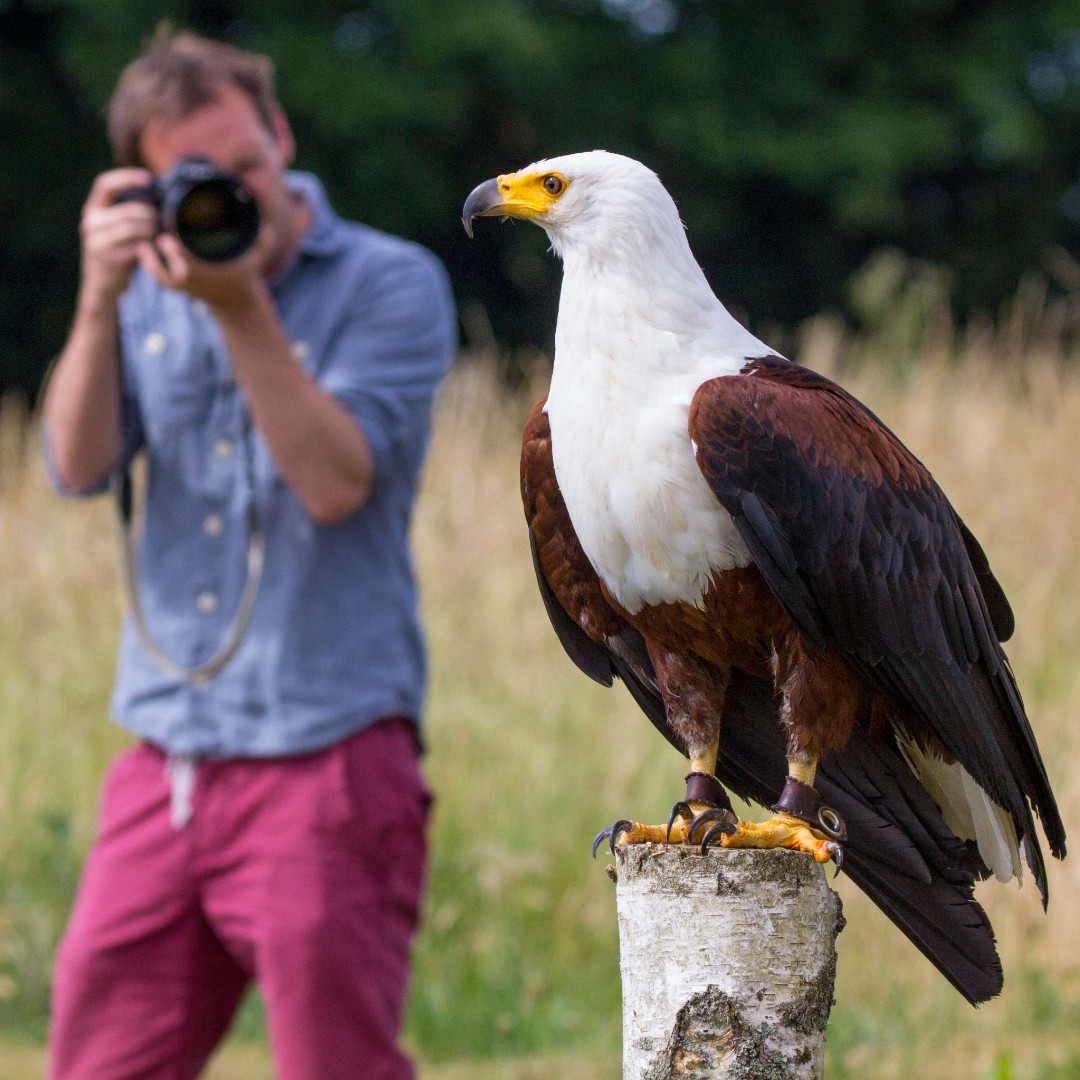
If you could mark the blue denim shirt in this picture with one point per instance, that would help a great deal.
(335, 640)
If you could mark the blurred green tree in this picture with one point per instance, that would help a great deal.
(797, 138)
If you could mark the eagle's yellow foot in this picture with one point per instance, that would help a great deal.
(690, 822)
(785, 831)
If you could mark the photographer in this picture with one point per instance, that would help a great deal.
(269, 823)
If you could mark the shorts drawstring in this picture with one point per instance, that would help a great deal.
(180, 770)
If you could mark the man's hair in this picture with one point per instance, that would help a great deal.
(177, 73)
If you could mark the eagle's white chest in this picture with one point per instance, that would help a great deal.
(647, 520)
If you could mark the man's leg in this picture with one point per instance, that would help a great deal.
(322, 881)
(142, 988)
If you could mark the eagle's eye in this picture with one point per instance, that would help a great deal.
(553, 184)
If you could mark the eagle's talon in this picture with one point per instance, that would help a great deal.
(724, 822)
(679, 810)
(620, 826)
(600, 837)
(611, 834)
(837, 853)
(707, 838)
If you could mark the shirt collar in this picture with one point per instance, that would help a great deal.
(327, 233)
(326, 236)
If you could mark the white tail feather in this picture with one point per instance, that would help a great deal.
(968, 810)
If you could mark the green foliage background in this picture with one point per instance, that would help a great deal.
(797, 138)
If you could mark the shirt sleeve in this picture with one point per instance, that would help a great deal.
(131, 435)
(390, 355)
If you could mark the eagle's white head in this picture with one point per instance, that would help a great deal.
(601, 207)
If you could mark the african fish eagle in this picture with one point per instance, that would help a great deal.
(779, 582)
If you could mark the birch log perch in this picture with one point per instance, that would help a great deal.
(728, 961)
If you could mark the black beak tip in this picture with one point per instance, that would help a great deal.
(482, 200)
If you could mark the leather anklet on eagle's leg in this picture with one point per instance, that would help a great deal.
(705, 791)
(801, 822)
(705, 806)
(802, 801)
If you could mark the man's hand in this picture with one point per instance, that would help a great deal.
(112, 234)
(82, 399)
(236, 283)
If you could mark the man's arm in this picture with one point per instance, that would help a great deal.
(82, 401)
(316, 444)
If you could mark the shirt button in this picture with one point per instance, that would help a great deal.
(223, 448)
(213, 525)
(154, 344)
(198, 307)
(206, 602)
(301, 350)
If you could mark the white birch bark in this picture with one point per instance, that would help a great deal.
(728, 961)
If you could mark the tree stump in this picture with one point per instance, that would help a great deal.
(728, 961)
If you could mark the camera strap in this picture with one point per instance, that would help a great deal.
(122, 488)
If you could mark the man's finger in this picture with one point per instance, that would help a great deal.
(108, 185)
(105, 226)
(176, 258)
(166, 261)
(125, 254)
(104, 215)
(150, 259)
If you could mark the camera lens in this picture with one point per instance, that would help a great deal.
(217, 220)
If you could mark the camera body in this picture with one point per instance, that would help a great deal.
(213, 213)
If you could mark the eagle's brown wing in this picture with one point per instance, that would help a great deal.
(865, 554)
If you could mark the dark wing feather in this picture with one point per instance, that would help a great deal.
(590, 656)
(996, 600)
(900, 852)
(865, 554)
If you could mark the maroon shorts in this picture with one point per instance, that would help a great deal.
(304, 874)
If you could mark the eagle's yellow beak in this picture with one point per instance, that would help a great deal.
(524, 195)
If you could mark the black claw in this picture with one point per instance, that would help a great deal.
(620, 826)
(837, 853)
(602, 835)
(710, 833)
(679, 810)
(725, 822)
(611, 834)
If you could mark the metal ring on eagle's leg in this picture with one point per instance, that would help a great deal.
(832, 824)
(803, 802)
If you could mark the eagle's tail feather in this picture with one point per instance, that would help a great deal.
(899, 851)
(942, 920)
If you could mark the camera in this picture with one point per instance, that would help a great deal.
(211, 212)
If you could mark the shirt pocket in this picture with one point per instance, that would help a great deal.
(179, 392)
(182, 376)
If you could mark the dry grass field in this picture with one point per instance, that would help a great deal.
(516, 973)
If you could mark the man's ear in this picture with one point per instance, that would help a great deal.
(283, 136)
